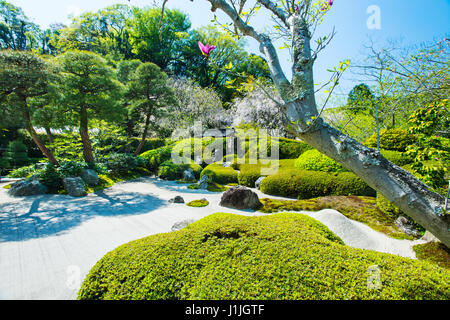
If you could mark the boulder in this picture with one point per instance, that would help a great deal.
(74, 186)
(258, 182)
(203, 183)
(177, 199)
(406, 226)
(429, 237)
(90, 177)
(29, 187)
(188, 175)
(181, 224)
(240, 198)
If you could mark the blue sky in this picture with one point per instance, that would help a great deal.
(411, 21)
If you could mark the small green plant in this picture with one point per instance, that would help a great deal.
(314, 160)
(198, 203)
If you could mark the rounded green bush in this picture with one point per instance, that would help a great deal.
(302, 184)
(392, 139)
(248, 174)
(220, 174)
(171, 171)
(154, 158)
(273, 257)
(315, 161)
(397, 157)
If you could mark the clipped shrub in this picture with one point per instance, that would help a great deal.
(50, 177)
(249, 174)
(292, 149)
(154, 158)
(231, 257)
(392, 139)
(198, 203)
(397, 157)
(302, 184)
(220, 174)
(314, 160)
(171, 171)
(23, 172)
(122, 163)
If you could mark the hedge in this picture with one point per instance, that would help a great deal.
(316, 161)
(281, 256)
(397, 157)
(220, 174)
(155, 157)
(302, 184)
(392, 139)
(171, 171)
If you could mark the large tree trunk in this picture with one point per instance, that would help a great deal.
(84, 133)
(301, 118)
(144, 135)
(29, 127)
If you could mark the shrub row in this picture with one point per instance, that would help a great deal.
(302, 184)
(220, 174)
(281, 256)
(171, 171)
(392, 139)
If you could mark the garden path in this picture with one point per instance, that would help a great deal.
(49, 243)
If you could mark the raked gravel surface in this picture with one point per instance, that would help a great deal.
(49, 243)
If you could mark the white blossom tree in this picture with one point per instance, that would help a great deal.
(296, 22)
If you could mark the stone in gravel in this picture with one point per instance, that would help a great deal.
(258, 182)
(188, 175)
(177, 199)
(29, 187)
(240, 198)
(90, 177)
(181, 224)
(203, 183)
(74, 186)
(406, 226)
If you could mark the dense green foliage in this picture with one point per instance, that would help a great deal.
(397, 157)
(314, 160)
(225, 256)
(198, 203)
(301, 184)
(16, 154)
(171, 171)
(220, 174)
(392, 139)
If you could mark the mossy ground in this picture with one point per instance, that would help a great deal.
(359, 208)
(198, 203)
(434, 252)
(281, 256)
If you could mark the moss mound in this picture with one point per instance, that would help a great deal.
(281, 256)
(314, 160)
(198, 203)
(220, 174)
(435, 252)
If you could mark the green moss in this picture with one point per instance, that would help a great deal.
(198, 203)
(8, 186)
(282, 256)
(215, 187)
(434, 252)
(314, 160)
(194, 186)
(358, 208)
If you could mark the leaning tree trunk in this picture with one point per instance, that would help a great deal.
(84, 134)
(144, 135)
(29, 127)
(48, 130)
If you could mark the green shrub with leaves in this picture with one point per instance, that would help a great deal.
(302, 184)
(233, 257)
(123, 163)
(220, 174)
(154, 158)
(392, 139)
(314, 160)
(292, 149)
(50, 177)
(23, 172)
(248, 174)
(68, 168)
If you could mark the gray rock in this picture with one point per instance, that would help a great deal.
(74, 186)
(203, 183)
(240, 198)
(29, 187)
(181, 224)
(258, 182)
(406, 226)
(40, 165)
(177, 199)
(90, 177)
(188, 175)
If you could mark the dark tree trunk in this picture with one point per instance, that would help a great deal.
(50, 136)
(84, 133)
(29, 127)
(144, 135)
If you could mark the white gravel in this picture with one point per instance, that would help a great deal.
(48, 243)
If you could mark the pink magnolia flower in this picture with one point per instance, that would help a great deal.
(206, 50)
